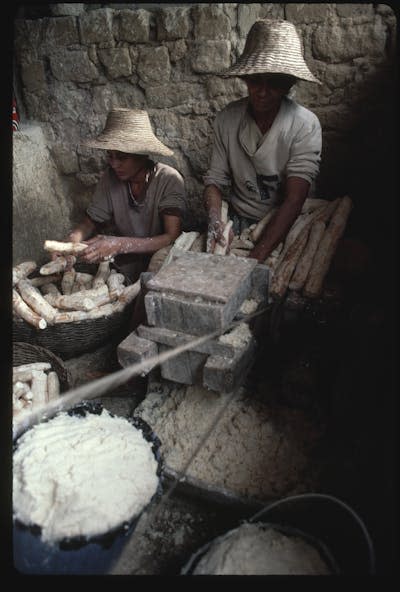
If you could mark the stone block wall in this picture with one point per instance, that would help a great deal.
(80, 60)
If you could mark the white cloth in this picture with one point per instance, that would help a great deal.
(256, 166)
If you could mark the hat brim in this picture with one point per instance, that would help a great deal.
(152, 146)
(246, 68)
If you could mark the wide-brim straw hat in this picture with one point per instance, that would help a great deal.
(129, 130)
(272, 46)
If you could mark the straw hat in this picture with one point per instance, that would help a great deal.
(129, 130)
(273, 46)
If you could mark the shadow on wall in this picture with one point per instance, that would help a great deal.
(361, 163)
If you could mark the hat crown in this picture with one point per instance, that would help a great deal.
(271, 35)
(129, 130)
(272, 46)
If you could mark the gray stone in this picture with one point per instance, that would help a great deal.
(177, 49)
(210, 22)
(247, 15)
(259, 283)
(355, 10)
(117, 61)
(96, 27)
(134, 349)
(62, 31)
(40, 208)
(88, 179)
(175, 338)
(33, 75)
(340, 43)
(28, 37)
(67, 9)
(231, 87)
(185, 368)
(173, 23)
(134, 26)
(308, 13)
(73, 66)
(211, 56)
(154, 66)
(168, 95)
(204, 277)
(66, 159)
(226, 374)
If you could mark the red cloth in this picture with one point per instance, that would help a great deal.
(15, 116)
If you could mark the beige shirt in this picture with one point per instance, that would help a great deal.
(112, 203)
(256, 165)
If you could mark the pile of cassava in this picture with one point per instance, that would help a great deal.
(60, 294)
(34, 384)
(300, 263)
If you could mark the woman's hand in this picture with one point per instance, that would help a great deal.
(101, 248)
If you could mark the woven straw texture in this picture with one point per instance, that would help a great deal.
(272, 47)
(26, 353)
(71, 339)
(129, 130)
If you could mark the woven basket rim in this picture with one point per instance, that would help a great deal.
(57, 363)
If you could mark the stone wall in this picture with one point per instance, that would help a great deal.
(83, 59)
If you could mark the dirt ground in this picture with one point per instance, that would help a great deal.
(340, 376)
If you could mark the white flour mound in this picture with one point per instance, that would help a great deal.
(253, 452)
(82, 476)
(255, 549)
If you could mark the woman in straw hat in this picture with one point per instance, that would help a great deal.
(267, 147)
(143, 200)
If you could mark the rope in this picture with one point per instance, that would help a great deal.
(101, 386)
(305, 496)
(182, 474)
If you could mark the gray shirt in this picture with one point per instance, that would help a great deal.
(165, 193)
(256, 165)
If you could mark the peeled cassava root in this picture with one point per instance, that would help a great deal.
(301, 262)
(64, 247)
(71, 296)
(34, 385)
(311, 243)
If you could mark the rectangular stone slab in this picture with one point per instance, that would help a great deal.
(134, 349)
(182, 313)
(175, 338)
(185, 368)
(226, 374)
(203, 275)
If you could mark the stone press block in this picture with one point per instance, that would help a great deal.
(185, 368)
(134, 349)
(226, 374)
(198, 293)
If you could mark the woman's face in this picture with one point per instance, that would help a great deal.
(124, 165)
(266, 91)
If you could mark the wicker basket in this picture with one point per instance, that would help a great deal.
(71, 339)
(68, 340)
(26, 353)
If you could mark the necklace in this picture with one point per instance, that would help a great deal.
(133, 201)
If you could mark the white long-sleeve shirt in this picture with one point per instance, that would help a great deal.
(256, 165)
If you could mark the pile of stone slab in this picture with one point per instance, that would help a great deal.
(194, 295)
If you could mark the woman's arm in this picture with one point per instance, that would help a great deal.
(83, 231)
(101, 246)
